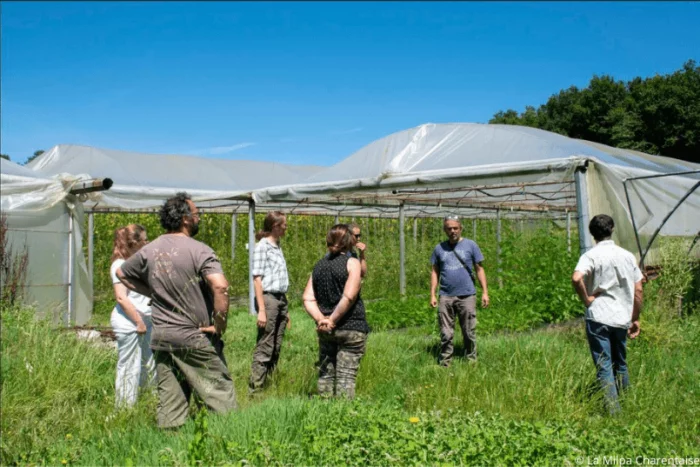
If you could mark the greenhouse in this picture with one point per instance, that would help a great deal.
(479, 171)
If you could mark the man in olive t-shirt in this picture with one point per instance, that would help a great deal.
(187, 287)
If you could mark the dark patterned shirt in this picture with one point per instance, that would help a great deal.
(329, 277)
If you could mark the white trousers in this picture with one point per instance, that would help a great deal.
(136, 366)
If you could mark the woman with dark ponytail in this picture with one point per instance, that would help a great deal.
(332, 299)
(270, 281)
(131, 322)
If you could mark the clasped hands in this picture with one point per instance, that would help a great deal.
(325, 325)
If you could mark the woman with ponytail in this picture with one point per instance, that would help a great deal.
(332, 299)
(270, 281)
(131, 322)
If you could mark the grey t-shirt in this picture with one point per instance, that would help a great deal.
(174, 268)
(455, 280)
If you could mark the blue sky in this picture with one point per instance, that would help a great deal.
(306, 83)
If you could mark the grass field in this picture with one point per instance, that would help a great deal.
(529, 400)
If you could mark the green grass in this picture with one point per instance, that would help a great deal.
(528, 400)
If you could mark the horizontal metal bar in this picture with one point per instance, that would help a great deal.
(90, 186)
(47, 285)
(10, 229)
(480, 187)
(644, 177)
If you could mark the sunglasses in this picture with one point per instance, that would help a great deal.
(452, 217)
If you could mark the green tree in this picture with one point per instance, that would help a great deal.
(657, 115)
(509, 117)
(5, 156)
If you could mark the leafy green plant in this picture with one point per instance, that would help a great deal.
(534, 268)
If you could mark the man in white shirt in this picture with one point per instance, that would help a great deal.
(609, 283)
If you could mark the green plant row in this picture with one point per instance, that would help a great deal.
(534, 270)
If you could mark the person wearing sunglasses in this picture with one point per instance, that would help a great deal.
(455, 261)
(360, 248)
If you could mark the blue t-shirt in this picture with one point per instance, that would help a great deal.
(455, 280)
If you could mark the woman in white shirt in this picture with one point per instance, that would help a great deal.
(131, 322)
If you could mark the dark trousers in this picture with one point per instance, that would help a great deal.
(269, 341)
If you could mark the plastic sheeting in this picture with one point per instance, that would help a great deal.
(22, 188)
(431, 170)
(461, 156)
(143, 181)
(46, 220)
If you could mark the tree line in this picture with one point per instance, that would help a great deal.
(36, 154)
(656, 115)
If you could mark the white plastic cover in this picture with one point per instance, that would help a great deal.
(144, 181)
(466, 155)
(432, 169)
(40, 215)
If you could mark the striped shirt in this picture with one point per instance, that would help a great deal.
(269, 263)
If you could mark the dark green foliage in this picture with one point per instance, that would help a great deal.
(656, 115)
(34, 156)
(535, 267)
(536, 289)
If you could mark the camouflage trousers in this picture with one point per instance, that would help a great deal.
(269, 341)
(340, 353)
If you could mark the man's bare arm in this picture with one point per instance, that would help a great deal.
(634, 329)
(433, 285)
(262, 313)
(580, 288)
(481, 275)
(219, 287)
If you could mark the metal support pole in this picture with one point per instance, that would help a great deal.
(337, 219)
(71, 234)
(498, 246)
(91, 249)
(415, 230)
(629, 205)
(474, 229)
(582, 216)
(402, 252)
(251, 253)
(234, 223)
(568, 231)
(663, 222)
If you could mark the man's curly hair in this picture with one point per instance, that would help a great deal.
(174, 209)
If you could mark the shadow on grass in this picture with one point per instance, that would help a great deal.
(433, 349)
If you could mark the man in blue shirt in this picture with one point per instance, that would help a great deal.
(454, 263)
